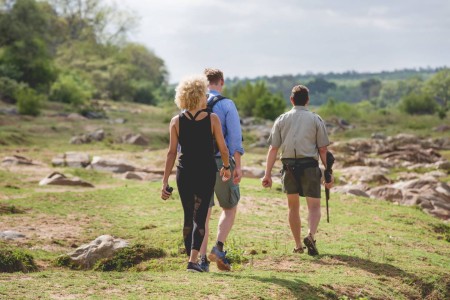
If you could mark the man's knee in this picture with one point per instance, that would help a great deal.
(230, 211)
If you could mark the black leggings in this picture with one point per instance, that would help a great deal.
(196, 189)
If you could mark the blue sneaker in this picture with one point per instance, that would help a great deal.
(204, 265)
(219, 257)
(193, 267)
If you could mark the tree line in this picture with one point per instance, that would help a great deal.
(72, 51)
(423, 91)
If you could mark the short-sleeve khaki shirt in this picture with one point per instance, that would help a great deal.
(299, 133)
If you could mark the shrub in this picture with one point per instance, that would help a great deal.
(66, 261)
(126, 258)
(71, 89)
(269, 107)
(28, 101)
(8, 89)
(143, 92)
(416, 104)
(342, 110)
(16, 261)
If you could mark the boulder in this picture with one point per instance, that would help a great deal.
(142, 176)
(111, 165)
(135, 139)
(57, 178)
(251, 172)
(351, 189)
(387, 193)
(11, 235)
(97, 135)
(16, 160)
(102, 247)
(71, 159)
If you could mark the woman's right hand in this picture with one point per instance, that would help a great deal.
(225, 174)
(164, 193)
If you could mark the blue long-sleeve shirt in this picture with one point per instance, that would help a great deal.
(231, 125)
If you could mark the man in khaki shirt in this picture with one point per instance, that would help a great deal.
(302, 137)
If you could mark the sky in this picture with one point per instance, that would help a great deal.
(250, 38)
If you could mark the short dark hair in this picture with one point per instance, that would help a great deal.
(214, 75)
(300, 94)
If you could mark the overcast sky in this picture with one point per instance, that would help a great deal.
(249, 38)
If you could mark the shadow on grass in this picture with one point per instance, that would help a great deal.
(298, 288)
(387, 270)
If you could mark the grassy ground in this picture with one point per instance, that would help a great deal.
(370, 250)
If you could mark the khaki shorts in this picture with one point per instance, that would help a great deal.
(227, 193)
(307, 184)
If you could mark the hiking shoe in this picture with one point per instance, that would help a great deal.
(193, 267)
(299, 250)
(204, 265)
(311, 245)
(219, 257)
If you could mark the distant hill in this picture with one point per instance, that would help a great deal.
(344, 82)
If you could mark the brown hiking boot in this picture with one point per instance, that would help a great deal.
(311, 245)
(299, 250)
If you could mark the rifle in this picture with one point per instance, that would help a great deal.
(327, 173)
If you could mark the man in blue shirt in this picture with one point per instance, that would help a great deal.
(227, 193)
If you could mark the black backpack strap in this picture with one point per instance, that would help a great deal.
(214, 101)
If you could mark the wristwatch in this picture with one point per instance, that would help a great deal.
(226, 168)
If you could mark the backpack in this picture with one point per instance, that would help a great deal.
(209, 108)
(210, 105)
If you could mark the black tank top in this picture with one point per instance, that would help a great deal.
(196, 141)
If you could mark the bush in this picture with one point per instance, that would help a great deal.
(71, 89)
(269, 107)
(28, 101)
(126, 258)
(16, 261)
(143, 92)
(417, 104)
(8, 89)
(342, 110)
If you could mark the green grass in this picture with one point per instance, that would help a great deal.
(372, 249)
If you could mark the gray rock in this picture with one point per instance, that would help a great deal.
(11, 235)
(153, 177)
(71, 159)
(350, 189)
(97, 135)
(251, 172)
(103, 246)
(111, 165)
(135, 139)
(80, 139)
(57, 178)
(16, 160)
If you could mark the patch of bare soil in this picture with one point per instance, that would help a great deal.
(46, 232)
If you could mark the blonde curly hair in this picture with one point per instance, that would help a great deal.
(191, 91)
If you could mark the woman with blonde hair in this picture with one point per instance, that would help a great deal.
(194, 130)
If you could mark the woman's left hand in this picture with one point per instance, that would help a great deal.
(164, 193)
(225, 174)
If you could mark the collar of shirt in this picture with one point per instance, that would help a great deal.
(212, 93)
(298, 107)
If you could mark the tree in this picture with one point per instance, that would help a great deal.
(417, 104)
(269, 106)
(320, 85)
(24, 39)
(371, 88)
(95, 21)
(438, 87)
